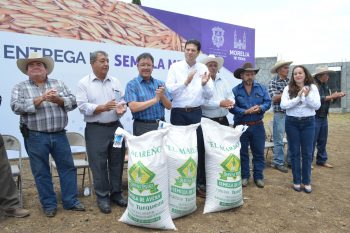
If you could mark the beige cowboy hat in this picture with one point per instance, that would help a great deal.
(322, 70)
(246, 67)
(278, 65)
(23, 62)
(212, 58)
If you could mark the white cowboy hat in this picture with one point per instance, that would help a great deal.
(23, 62)
(246, 67)
(212, 58)
(278, 65)
(322, 70)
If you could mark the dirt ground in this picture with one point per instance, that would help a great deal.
(276, 208)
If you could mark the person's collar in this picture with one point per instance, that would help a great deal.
(279, 77)
(93, 77)
(140, 79)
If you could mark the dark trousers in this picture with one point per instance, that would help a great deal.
(179, 117)
(106, 162)
(320, 141)
(8, 190)
(140, 128)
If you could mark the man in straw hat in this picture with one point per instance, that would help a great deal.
(42, 104)
(252, 101)
(276, 86)
(321, 76)
(217, 107)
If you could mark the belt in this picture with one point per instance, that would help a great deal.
(218, 118)
(150, 121)
(302, 118)
(188, 109)
(250, 123)
(108, 124)
(61, 131)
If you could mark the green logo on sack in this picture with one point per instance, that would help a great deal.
(188, 172)
(232, 167)
(141, 177)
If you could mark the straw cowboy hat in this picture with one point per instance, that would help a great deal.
(279, 64)
(212, 58)
(322, 70)
(246, 67)
(23, 63)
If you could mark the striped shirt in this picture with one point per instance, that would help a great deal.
(47, 117)
(276, 86)
(139, 90)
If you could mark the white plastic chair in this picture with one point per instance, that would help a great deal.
(78, 146)
(269, 145)
(13, 144)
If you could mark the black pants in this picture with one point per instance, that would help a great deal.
(179, 117)
(106, 162)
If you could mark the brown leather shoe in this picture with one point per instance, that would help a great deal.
(327, 165)
(17, 213)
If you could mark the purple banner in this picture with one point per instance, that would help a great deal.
(234, 43)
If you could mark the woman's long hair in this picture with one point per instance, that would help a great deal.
(293, 87)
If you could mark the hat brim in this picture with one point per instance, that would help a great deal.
(23, 63)
(239, 71)
(276, 66)
(218, 60)
(323, 72)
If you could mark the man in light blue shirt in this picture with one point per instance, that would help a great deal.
(217, 107)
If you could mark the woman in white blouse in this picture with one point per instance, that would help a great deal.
(301, 99)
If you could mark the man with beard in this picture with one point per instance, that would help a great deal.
(252, 101)
(96, 98)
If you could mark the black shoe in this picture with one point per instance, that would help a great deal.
(78, 207)
(120, 202)
(259, 183)
(201, 192)
(105, 207)
(280, 168)
(245, 182)
(50, 213)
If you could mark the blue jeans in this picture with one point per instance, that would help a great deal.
(39, 146)
(300, 134)
(255, 137)
(320, 141)
(278, 134)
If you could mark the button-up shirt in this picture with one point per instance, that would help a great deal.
(192, 95)
(258, 96)
(324, 91)
(93, 92)
(48, 116)
(211, 107)
(301, 106)
(139, 90)
(276, 86)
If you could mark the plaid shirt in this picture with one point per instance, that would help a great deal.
(139, 90)
(276, 87)
(47, 117)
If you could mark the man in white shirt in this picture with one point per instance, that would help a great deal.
(223, 99)
(190, 86)
(97, 98)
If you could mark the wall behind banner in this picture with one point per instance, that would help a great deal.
(71, 64)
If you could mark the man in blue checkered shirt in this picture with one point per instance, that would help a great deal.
(276, 86)
(146, 97)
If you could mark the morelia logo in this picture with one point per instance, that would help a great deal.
(188, 172)
(141, 178)
(231, 166)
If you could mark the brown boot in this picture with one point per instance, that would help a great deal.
(17, 213)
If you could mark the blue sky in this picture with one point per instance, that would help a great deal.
(303, 31)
